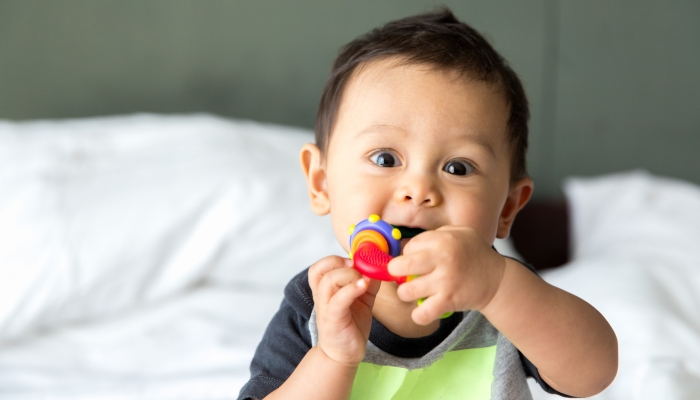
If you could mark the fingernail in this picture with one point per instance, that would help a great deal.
(348, 262)
(361, 283)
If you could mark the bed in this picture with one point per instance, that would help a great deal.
(143, 255)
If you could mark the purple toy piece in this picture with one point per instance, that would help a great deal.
(384, 229)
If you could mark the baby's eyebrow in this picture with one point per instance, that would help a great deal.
(479, 141)
(375, 128)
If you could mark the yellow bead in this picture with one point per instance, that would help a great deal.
(396, 233)
(350, 255)
(373, 218)
(351, 229)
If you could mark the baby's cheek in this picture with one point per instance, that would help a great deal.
(482, 220)
(340, 229)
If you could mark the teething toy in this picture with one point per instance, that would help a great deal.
(373, 243)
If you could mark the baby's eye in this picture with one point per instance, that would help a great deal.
(458, 168)
(385, 159)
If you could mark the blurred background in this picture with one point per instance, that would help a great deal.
(613, 85)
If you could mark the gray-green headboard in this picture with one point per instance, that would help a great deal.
(613, 85)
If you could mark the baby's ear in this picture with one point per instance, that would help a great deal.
(312, 165)
(518, 195)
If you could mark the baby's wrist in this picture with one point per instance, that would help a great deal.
(498, 266)
(499, 295)
(335, 362)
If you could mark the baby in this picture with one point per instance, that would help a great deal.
(424, 124)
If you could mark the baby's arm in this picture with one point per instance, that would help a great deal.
(343, 302)
(572, 345)
(570, 342)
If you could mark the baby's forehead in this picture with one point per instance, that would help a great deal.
(409, 95)
(394, 73)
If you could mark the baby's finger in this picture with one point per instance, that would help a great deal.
(370, 294)
(333, 281)
(430, 310)
(344, 297)
(424, 241)
(323, 266)
(418, 263)
(417, 288)
(450, 228)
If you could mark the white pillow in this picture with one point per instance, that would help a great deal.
(633, 213)
(101, 214)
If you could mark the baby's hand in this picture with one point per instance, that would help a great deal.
(343, 299)
(457, 270)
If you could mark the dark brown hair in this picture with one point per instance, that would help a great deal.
(439, 40)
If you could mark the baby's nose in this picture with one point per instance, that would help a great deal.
(420, 191)
(419, 200)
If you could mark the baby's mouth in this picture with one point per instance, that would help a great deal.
(408, 233)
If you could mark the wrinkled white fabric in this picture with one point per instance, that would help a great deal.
(99, 215)
(197, 345)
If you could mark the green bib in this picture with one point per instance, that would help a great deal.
(460, 374)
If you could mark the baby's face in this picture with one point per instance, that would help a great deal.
(419, 147)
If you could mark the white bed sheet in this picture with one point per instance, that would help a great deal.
(197, 345)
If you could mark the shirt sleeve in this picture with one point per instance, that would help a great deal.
(284, 344)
